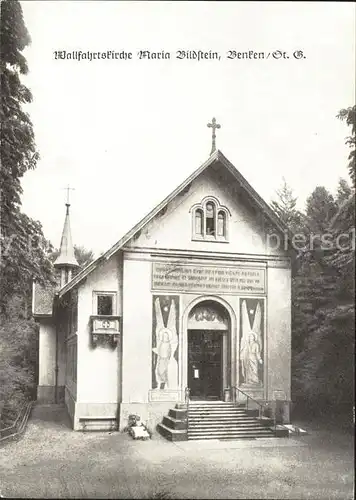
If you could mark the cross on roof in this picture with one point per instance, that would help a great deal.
(214, 126)
(68, 189)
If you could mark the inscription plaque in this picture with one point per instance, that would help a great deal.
(195, 278)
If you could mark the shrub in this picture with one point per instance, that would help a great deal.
(18, 361)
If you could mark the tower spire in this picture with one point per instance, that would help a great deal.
(66, 260)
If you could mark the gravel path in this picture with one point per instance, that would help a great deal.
(52, 461)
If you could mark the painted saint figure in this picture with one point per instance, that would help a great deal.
(164, 353)
(250, 352)
(250, 360)
(166, 369)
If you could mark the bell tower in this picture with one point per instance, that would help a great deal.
(66, 261)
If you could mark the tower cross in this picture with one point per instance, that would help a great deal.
(68, 189)
(214, 126)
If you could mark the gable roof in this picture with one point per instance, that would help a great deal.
(217, 156)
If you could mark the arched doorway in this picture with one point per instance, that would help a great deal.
(208, 332)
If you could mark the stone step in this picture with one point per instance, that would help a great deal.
(212, 403)
(177, 413)
(218, 428)
(213, 420)
(226, 435)
(219, 415)
(229, 438)
(218, 408)
(172, 434)
(232, 435)
(216, 414)
(216, 435)
(208, 420)
(234, 438)
(233, 430)
(174, 423)
(215, 405)
(218, 425)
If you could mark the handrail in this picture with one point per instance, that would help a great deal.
(187, 394)
(17, 427)
(260, 405)
(9, 428)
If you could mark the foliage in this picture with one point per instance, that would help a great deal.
(285, 208)
(344, 192)
(24, 258)
(18, 359)
(23, 248)
(349, 115)
(320, 209)
(18, 150)
(82, 254)
(323, 293)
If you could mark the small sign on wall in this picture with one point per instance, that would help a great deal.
(105, 324)
(166, 395)
(279, 394)
(196, 373)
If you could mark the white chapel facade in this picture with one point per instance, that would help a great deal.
(192, 298)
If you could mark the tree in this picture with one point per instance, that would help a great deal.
(349, 115)
(82, 254)
(320, 209)
(18, 359)
(25, 257)
(324, 364)
(285, 207)
(343, 192)
(324, 305)
(23, 248)
(18, 149)
(24, 251)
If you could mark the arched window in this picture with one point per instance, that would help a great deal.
(221, 223)
(210, 220)
(199, 222)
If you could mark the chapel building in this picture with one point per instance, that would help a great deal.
(194, 301)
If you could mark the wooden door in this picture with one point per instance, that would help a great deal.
(205, 364)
